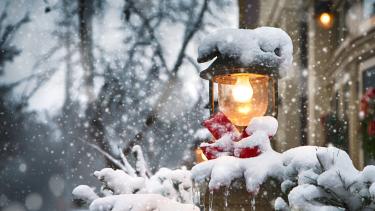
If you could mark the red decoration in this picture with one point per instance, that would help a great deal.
(219, 125)
(211, 151)
(366, 98)
(244, 135)
(371, 128)
(249, 152)
(367, 107)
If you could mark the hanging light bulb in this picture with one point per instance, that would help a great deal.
(242, 91)
(326, 20)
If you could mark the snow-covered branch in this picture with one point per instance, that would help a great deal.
(138, 188)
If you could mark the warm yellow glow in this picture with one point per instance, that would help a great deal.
(244, 109)
(199, 156)
(242, 91)
(242, 96)
(326, 20)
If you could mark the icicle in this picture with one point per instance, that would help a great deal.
(203, 189)
(193, 194)
(210, 200)
(226, 195)
(252, 202)
(196, 195)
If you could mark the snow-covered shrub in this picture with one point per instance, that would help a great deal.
(319, 177)
(312, 178)
(136, 189)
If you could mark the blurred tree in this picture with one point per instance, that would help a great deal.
(134, 96)
(139, 86)
(10, 118)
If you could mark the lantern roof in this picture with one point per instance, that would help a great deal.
(264, 50)
(224, 66)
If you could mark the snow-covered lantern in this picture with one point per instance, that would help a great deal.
(246, 71)
(243, 92)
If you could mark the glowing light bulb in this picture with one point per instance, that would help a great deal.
(242, 90)
(325, 19)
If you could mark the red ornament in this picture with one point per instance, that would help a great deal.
(371, 128)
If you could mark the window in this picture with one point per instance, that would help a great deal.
(368, 8)
(368, 78)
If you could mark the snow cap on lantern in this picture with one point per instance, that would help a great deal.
(264, 50)
(247, 66)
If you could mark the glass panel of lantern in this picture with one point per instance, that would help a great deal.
(243, 96)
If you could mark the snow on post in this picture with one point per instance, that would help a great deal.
(313, 178)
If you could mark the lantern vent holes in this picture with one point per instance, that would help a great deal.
(277, 52)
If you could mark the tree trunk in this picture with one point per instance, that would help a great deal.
(85, 16)
(94, 111)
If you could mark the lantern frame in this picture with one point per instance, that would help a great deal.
(224, 66)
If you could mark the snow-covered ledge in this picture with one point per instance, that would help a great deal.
(306, 178)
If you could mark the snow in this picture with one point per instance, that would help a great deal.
(368, 174)
(126, 189)
(85, 193)
(225, 169)
(249, 47)
(141, 163)
(165, 190)
(300, 196)
(119, 182)
(164, 182)
(280, 204)
(225, 142)
(267, 124)
(202, 134)
(138, 202)
(312, 177)
(258, 138)
(260, 130)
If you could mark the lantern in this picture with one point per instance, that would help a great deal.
(325, 20)
(324, 14)
(243, 92)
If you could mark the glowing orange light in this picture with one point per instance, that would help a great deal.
(242, 90)
(242, 96)
(326, 20)
(199, 156)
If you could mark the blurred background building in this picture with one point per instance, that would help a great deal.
(334, 64)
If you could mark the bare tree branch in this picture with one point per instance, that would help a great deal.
(105, 154)
(141, 166)
(167, 90)
(129, 169)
